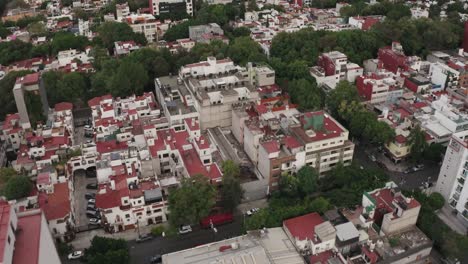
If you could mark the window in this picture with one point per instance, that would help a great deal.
(10, 239)
(139, 214)
(127, 216)
(206, 161)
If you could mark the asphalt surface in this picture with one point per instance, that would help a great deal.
(141, 253)
(409, 181)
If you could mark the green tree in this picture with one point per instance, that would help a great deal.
(344, 92)
(305, 93)
(244, 49)
(231, 192)
(107, 250)
(288, 185)
(37, 28)
(230, 168)
(6, 173)
(17, 187)
(418, 144)
(435, 201)
(241, 32)
(320, 205)
(14, 51)
(110, 32)
(434, 152)
(307, 180)
(65, 41)
(192, 201)
(130, 78)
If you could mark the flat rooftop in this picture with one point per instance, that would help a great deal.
(271, 246)
(170, 84)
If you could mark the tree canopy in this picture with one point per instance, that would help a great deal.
(17, 187)
(192, 201)
(110, 32)
(107, 250)
(231, 191)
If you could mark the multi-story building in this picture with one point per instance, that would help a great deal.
(314, 138)
(333, 67)
(206, 33)
(364, 22)
(310, 233)
(145, 24)
(25, 237)
(29, 86)
(125, 47)
(378, 88)
(121, 11)
(393, 59)
(389, 209)
(141, 154)
(160, 7)
(212, 87)
(452, 182)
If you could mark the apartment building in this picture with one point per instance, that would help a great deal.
(333, 67)
(125, 47)
(213, 86)
(452, 176)
(145, 24)
(378, 88)
(278, 138)
(393, 58)
(161, 7)
(26, 237)
(140, 154)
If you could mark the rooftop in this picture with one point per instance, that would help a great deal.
(56, 205)
(270, 246)
(303, 227)
(28, 238)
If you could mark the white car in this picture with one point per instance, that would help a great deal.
(75, 255)
(252, 211)
(93, 201)
(185, 229)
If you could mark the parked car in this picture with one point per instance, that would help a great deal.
(91, 207)
(185, 229)
(144, 238)
(90, 196)
(75, 255)
(94, 221)
(252, 211)
(92, 186)
(418, 167)
(372, 157)
(216, 219)
(156, 259)
(92, 213)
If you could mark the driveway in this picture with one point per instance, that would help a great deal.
(80, 182)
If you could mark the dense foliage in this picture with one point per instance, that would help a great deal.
(192, 201)
(7, 100)
(17, 187)
(107, 250)
(231, 191)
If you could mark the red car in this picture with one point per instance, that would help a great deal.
(216, 219)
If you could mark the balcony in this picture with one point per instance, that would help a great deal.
(461, 181)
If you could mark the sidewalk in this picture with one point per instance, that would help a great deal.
(445, 214)
(83, 239)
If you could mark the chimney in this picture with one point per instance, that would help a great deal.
(112, 185)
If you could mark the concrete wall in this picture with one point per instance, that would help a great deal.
(47, 251)
(408, 218)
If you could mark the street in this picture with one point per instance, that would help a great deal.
(406, 181)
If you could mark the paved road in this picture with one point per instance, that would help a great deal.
(140, 253)
(405, 181)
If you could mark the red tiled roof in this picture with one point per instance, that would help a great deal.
(28, 239)
(56, 205)
(271, 146)
(29, 79)
(43, 178)
(384, 199)
(110, 146)
(330, 128)
(303, 227)
(291, 142)
(400, 139)
(5, 211)
(321, 258)
(63, 106)
(10, 118)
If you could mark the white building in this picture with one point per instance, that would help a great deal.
(25, 237)
(443, 76)
(452, 182)
(417, 12)
(145, 24)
